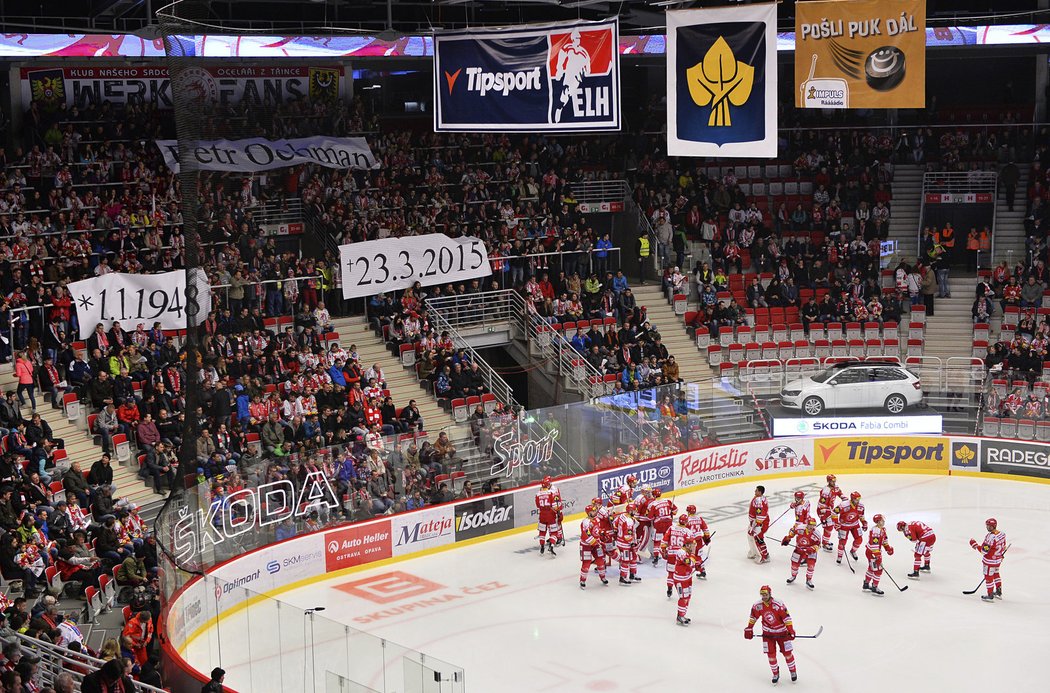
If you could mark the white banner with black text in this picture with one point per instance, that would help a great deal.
(140, 298)
(258, 154)
(389, 264)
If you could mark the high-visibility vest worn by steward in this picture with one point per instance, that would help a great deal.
(643, 246)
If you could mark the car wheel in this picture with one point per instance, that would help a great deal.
(895, 404)
(813, 406)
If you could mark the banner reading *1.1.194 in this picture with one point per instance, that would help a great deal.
(722, 82)
(860, 54)
(555, 78)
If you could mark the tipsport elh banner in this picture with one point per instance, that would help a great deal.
(554, 78)
(860, 54)
(722, 82)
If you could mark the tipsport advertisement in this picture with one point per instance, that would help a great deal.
(561, 77)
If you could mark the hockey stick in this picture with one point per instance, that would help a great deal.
(979, 584)
(846, 553)
(802, 637)
(811, 637)
(894, 581)
(703, 560)
(778, 519)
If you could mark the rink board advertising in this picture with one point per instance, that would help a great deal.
(860, 454)
(1015, 457)
(657, 474)
(555, 78)
(484, 516)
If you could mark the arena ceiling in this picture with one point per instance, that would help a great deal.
(406, 16)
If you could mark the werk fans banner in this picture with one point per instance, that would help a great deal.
(722, 82)
(389, 264)
(257, 154)
(133, 299)
(90, 85)
(554, 78)
(860, 54)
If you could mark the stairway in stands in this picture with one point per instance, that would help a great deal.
(404, 386)
(80, 446)
(692, 365)
(905, 210)
(949, 331)
(1008, 234)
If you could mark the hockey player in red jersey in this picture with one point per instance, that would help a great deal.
(698, 526)
(626, 492)
(591, 551)
(991, 549)
(686, 558)
(777, 631)
(924, 538)
(548, 501)
(830, 495)
(849, 518)
(605, 529)
(807, 541)
(673, 539)
(801, 507)
(661, 513)
(877, 541)
(626, 527)
(645, 525)
(758, 523)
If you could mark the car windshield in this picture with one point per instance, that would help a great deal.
(823, 376)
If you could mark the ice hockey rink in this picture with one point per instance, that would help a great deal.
(518, 621)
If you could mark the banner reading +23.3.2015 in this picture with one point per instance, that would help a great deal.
(389, 264)
(554, 78)
(860, 54)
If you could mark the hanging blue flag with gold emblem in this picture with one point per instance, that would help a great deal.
(722, 82)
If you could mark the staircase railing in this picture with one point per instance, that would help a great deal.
(552, 345)
(439, 311)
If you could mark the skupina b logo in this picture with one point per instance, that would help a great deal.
(719, 81)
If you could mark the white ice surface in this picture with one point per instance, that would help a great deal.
(533, 629)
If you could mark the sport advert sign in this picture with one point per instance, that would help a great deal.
(554, 78)
(860, 54)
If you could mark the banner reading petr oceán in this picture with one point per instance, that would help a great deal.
(554, 78)
(860, 54)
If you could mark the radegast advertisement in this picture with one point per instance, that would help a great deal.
(554, 78)
(1015, 457)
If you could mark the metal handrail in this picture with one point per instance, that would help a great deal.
(559, 348)
(496, 385)
(56, 660)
